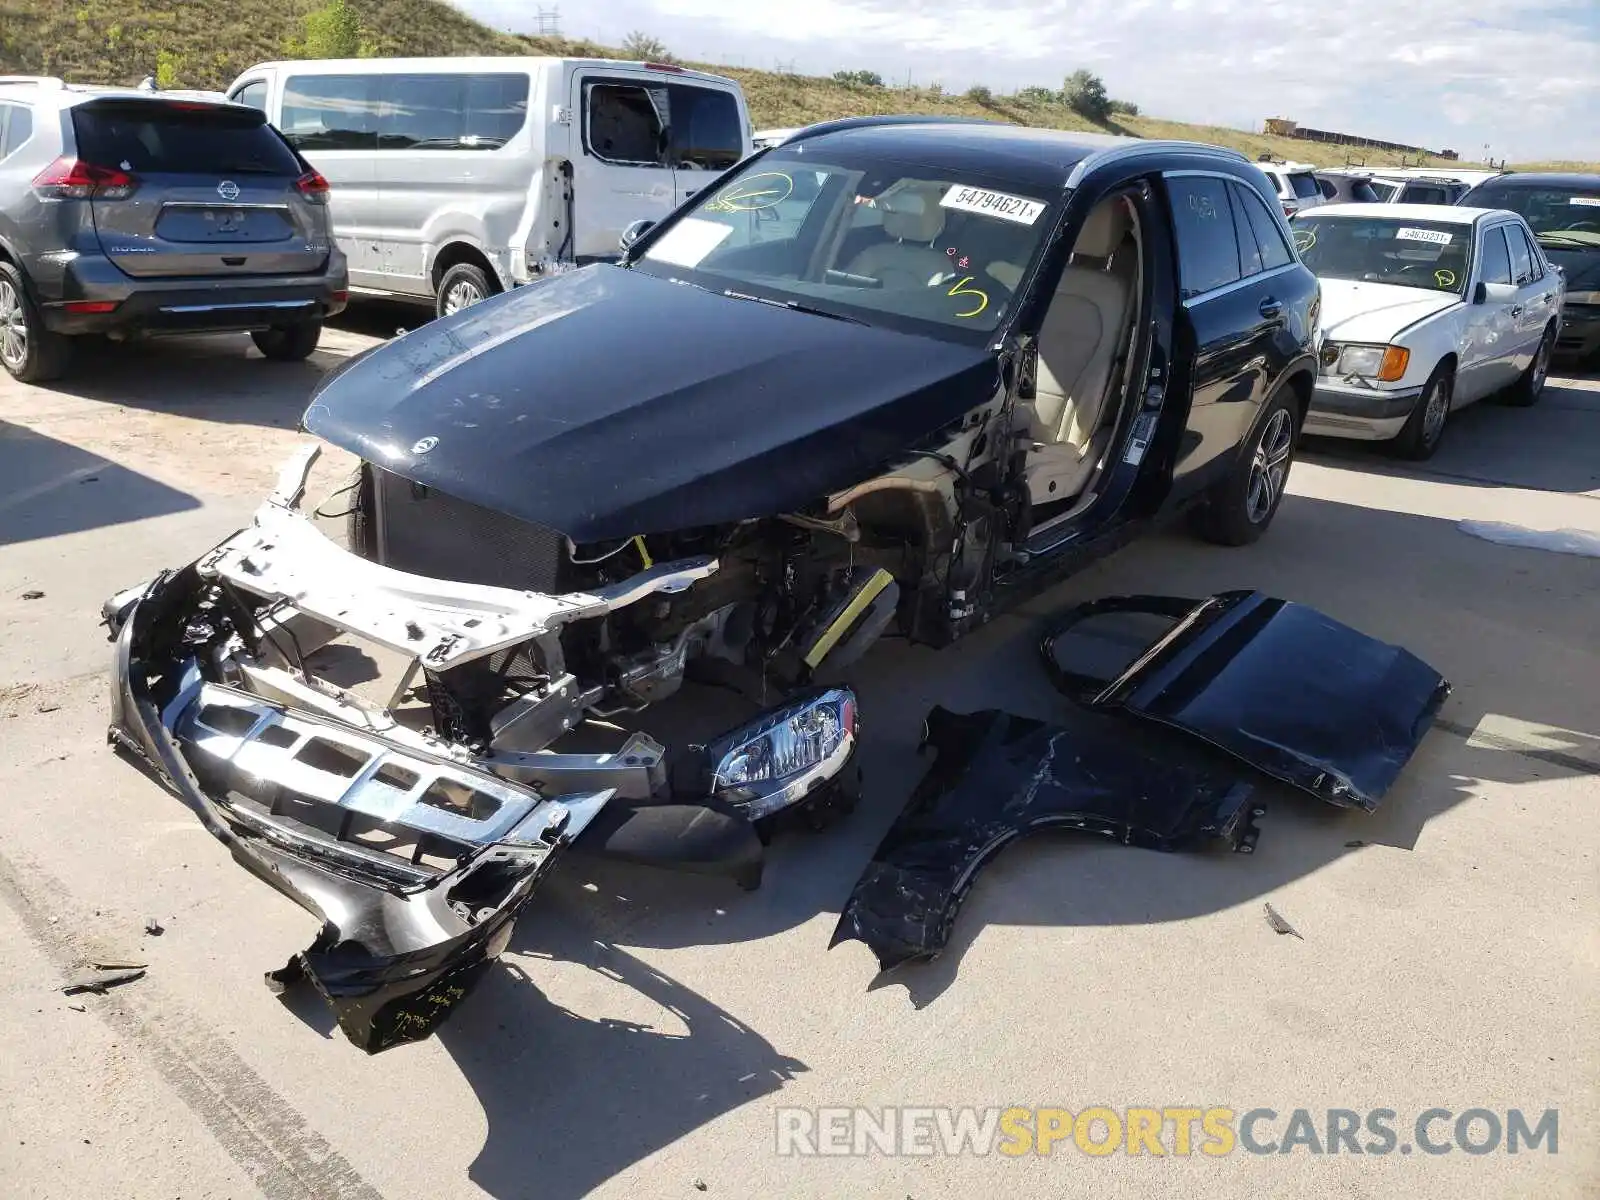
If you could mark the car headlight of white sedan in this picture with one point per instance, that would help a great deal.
(1386, 364)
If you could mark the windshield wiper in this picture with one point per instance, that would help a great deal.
(793, 305)
(1581, 237)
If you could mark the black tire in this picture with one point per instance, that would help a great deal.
(29, 352)
(1424, 428)
(361, 532)
(1525, 392)
(289, 343)
(462, 286)
(1236, 511)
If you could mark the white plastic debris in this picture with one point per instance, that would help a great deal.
(1560, 541)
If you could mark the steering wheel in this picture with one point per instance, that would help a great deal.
(1584, 227)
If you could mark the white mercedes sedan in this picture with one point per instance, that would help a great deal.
(1425, 309)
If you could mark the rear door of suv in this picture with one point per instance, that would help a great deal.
(1244, 297)
(190, 190)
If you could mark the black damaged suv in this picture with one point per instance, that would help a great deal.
(888, 374)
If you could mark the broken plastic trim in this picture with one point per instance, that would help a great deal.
(399, 948)
(998, 778)
(1280, 686)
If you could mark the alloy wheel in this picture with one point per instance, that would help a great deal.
(13, 327)
(461, 295)
(1269, 466)
(1541, 366)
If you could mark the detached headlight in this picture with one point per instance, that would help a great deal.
(1384, 363)
(785, 754)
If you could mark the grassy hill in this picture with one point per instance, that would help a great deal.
(205, 43)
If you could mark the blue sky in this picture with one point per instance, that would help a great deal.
(1522, 76)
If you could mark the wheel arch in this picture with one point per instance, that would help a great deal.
(1301, 383)
(454, 254)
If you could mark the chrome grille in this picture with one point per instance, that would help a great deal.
(427, 532)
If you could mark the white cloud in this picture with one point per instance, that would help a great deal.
(1520, 75)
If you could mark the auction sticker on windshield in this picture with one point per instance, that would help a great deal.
(1437, 237)
(1586, 201)
(688, 242)
(993, 204)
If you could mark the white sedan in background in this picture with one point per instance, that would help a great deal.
(1425, 309)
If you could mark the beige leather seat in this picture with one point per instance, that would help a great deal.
(1082, 329)
(912, 217)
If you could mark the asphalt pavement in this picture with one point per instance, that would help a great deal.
(644, 1030)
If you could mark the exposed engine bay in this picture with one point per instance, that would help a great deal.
(777, 603)
(416, 820)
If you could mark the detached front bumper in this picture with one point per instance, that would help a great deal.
(319, 810)
(415, 852)
(1364, 413)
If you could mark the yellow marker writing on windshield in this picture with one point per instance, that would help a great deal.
(961, 289)
(765, 190)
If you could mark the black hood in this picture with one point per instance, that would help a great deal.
(605, 402)
(1580, 264)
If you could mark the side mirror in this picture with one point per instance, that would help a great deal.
(632, 233)
(1480, 293)
(1494, 293)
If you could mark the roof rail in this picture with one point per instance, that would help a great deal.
(1099, 158)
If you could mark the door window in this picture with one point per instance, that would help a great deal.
(1521, 261)
(451, 111)
(331, 112)
(1534, 256)
(626, 123)
(252, 94)
(1496, 262)
(1208, 247)
(17, 122)
(706, 131)
(1275, 250)
(1249, 251)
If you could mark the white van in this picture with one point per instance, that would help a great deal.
(455, 178)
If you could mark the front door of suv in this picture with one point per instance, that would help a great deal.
(1242, 311)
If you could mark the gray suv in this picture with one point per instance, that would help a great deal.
(127, 213)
